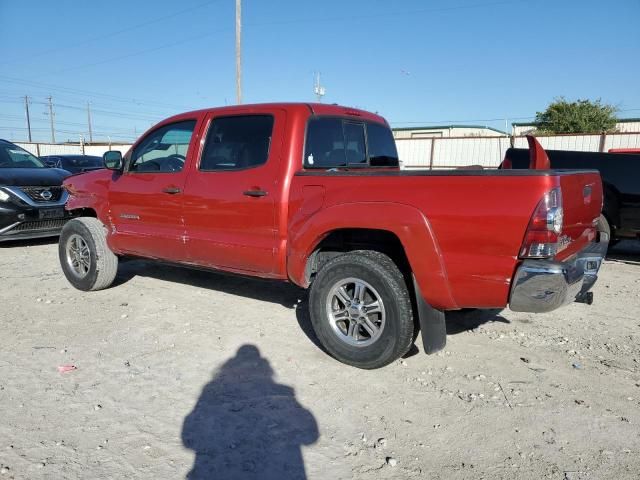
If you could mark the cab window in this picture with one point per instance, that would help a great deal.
(163, 150)
(237, 142)
(333, 142)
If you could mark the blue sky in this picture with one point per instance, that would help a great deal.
(415, 62)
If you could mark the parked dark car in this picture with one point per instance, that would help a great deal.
(73, 163)
(620, 174)
(31, 195)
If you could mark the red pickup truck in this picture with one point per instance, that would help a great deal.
(313, 194)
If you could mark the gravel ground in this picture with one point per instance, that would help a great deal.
(186, 373)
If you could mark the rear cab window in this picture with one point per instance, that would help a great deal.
(237, 143)
(337, 142)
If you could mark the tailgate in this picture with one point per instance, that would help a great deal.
(582, 204)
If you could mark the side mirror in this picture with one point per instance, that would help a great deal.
(113, 160)
(50, 163)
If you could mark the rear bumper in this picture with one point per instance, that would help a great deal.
(544, 285)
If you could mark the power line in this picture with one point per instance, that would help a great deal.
(118, 32)
(72, 132)
(140, 52)
(349, 18)
(133, 116)
(77, 91)
(286, 22)
(81, 100)
(16, 118)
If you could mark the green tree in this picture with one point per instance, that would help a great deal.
(581, 116)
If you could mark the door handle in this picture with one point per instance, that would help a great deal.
(255, 193)
(171, 190)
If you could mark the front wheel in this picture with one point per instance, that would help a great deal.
(361, 309)
(84, 255)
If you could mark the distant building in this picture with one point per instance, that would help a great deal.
(624, 125)
(447, 131)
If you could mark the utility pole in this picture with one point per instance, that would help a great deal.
(238, 51)
(89, 122)
(53, 134)
(26, 109)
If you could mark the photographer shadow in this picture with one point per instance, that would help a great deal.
(246, 426)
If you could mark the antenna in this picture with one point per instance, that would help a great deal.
(318, 89)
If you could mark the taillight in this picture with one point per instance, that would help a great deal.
(545, 227)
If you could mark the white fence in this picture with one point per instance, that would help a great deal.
(453, 152)
(42, 149)
(420, 153)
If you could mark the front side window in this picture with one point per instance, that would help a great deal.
(338, 142)
(238, 142)
(164, 150)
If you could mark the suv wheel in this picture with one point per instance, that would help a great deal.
(361, 309)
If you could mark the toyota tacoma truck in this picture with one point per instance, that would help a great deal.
(313, 194)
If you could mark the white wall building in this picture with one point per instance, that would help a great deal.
(444, 131)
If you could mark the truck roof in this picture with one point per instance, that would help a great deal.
(293, 107)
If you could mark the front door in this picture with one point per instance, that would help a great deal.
(146, 201)
(230, 201)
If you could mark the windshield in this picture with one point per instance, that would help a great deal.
(12, 156)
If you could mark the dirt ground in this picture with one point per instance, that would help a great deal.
(186, 373)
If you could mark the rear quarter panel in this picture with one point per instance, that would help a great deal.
(474, 221)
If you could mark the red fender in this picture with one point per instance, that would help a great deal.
(407, 223)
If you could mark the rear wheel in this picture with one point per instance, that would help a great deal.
(84, 255)
(361, 309)
(604, 227)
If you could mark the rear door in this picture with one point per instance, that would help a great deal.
(146, 201)
(230, 199)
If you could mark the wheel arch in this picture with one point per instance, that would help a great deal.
(400, 231)
(84, 212)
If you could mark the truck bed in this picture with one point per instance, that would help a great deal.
(475, 220)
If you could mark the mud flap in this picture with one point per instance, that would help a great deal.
(433, 327)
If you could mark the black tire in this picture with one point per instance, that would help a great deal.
(101, 263)
(603, 226)
(386, 282)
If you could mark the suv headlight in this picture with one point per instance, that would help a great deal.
(4, 196)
